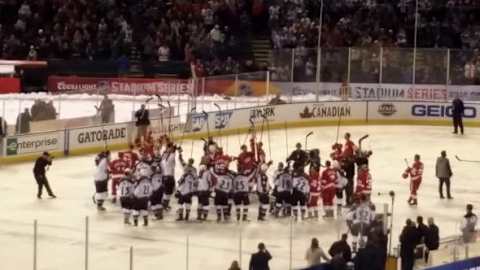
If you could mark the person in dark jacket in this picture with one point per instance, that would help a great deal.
(142, 122)
(299, 158)
(432, 238)
(369, 257)
(341, 248)
(457, 114)
(408, 242)
(259, 260)
(422, 230)
(39, 171)
(443, 171)
(23, 122)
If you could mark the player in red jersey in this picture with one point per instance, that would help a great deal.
(148, 145)
(257, 148)
(349, 148)
(337, 152)
(315, 192)
(131, 157)
(364, 182)
(329, 189)
(246, 162)
(117, 171)
(415, 172)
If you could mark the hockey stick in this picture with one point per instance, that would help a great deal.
(306, 139)
(269, 138)
(219, 112)
(465, 160)
(406, 162)
(208, 125)
(169, 118)
(360, 142)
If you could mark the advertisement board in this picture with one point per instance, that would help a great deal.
(9, 85)
(393, 92)
(162, 126)
(123, 86)
(98, 136)
(387, 110)
(34, 143)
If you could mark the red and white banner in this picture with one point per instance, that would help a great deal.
(122, 86)
(9, 85)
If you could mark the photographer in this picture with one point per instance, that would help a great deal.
(41, 166)
(142, 122)
(259, 260)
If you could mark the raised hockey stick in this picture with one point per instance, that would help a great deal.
(406, 162)
(219, 111)
(361, 140)
(306, 139)
(169, 118)
(208, 125)
(268, 137)
(466, 160)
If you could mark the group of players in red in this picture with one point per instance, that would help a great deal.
(290, 191)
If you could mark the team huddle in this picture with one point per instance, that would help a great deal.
(145, 182)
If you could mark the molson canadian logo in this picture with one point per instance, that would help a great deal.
(387, 109)
(326, 111)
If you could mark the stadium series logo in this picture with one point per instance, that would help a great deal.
(12, 146)
(387, 109)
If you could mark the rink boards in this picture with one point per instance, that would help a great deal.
(87, 140)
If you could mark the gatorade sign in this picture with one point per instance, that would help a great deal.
(96, 136)
(38, 143)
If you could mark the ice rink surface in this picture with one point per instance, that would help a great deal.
(213, 246)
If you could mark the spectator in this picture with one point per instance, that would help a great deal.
(469, 225)
(32, 54)
(234, 266)
(163, 53)
(23, 122)
(216, 35)
(432, 238)
(408, 242)
(259, 260)
(443, 171)
(107, 110)
(277, 100)
(3, 128)
(422, 230)
(369, 257)
(315, 254)
(142, 122)
(341, 248)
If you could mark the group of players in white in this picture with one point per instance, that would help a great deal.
(144, 182)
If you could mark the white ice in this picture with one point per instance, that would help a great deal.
(213, 246)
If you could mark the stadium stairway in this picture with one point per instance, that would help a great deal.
(261, 49)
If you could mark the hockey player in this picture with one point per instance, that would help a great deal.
(125, 195)
(168, 169)
(101, 179)
(337, 152)
(131, 157)
(185, 190)
(328, 180)
(142, 193)
(241, 190)
(299, 158)
(157, 191)
(117, 169)
(314, 160)
(301, 189)
(263, 190)
(284, 187)
(364, 182)
(246, 162)
(257, 148)
(315, 192)
(415, 172)
(359, 220)
(148, 145)
(348, 165)
(223, 188)
(144, 166)
(340, 185)
(204, 188)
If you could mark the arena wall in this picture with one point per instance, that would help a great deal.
(87, 140)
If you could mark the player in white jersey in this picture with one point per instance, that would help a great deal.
(241, 190)
(204, 188)
(101, 179)
(168, 169)
(186, 188)
(142, 193)
(301, 190)
(223, 188)
(125, 195)
(143, 168)
(157, 192)
(283, 183)
(359, 220)
(263, 190)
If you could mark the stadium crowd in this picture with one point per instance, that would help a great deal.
(144, 30)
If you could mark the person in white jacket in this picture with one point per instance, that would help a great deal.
(101, 179)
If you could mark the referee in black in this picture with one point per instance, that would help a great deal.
(457, 114)
(39, 172)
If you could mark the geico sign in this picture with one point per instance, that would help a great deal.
(441, 111)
